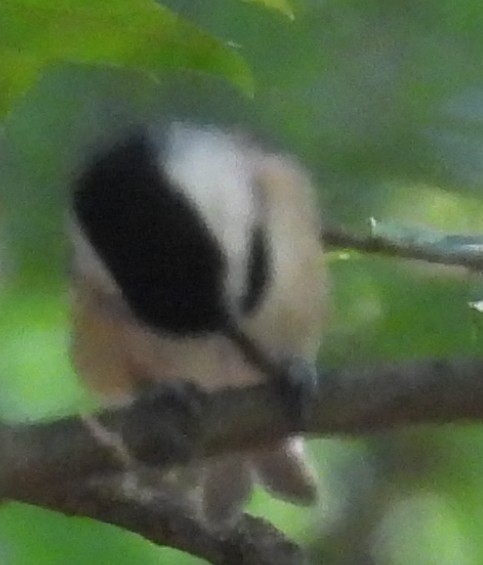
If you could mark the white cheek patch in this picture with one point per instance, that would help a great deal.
(215, 173)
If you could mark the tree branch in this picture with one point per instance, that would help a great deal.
(467, 254)
(54, 464)
(349, 401)
(166, 521)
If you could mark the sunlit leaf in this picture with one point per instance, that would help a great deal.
(283, 6)
(478, 305)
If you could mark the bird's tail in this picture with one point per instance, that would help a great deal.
(282, 469)
(286, 473)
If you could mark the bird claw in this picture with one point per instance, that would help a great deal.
(173, 409)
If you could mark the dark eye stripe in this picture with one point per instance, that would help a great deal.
(166, 262)
(257, 272)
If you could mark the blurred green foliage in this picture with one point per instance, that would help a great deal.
(383, 100)
(140, 35)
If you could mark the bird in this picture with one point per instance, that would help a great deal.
(196, 249)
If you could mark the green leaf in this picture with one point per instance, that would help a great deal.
(280, 5)
(138, 34)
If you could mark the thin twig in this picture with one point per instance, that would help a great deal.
(462, 256)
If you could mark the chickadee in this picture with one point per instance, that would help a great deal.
(179, 236)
